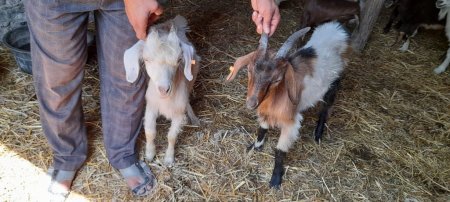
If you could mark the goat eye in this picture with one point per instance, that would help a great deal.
(276, 81)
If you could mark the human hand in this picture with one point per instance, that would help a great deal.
(266, 16)
(141, 14)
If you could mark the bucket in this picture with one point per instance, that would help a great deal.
(18, 40)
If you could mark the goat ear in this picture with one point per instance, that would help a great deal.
(131, 60)
(292, 84)
(178, 29)
(188, 56)
(173, 37)
(239, 63)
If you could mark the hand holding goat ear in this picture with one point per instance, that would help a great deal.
(138, 12)
(266, 15)
(172, 65)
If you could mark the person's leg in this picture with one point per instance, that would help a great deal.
(122, 103)
(58, 48)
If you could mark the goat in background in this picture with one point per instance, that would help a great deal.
(172, 65)
(415, 14)
(316, 12)
(444, 9)
(282, 86)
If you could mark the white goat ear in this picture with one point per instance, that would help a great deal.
(180, 27)
(188, 55)
(131, 59)
(173, 37)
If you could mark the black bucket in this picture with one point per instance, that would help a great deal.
(18, 40)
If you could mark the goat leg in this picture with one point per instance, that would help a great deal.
(327, 103)
(258, 145)
(444, 64)
(289, 134)
(388, 26)
(405, 45)
(400, 37)
(278, 170)
(191, 115)
(175, 128)
(150, 132)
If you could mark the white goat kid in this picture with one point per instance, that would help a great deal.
(444, 8)
(170, 79)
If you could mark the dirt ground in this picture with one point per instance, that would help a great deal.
(388, 138)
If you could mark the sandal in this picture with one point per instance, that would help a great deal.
(61, 181)
(139, 172)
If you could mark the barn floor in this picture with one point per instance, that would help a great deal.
(388, 138)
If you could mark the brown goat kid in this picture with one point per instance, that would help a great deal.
(282, 86)
(316, 12)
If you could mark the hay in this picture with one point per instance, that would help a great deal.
(388, 138)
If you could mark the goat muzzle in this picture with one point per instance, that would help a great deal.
(252, 103)
(164, 91)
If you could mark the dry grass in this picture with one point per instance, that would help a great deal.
(388, 137)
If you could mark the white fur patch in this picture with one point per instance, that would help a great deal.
(441, 68)
(405, 45)
(258, 144)
(289, 134)
(329, 41)
(263, 124)
(432, 26)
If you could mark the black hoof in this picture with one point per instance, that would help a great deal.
(275, 182)
(318, 140)
(317, 137)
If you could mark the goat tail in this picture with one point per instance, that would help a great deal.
(331, 36)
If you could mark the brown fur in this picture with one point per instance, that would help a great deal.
(317, 12)
(179, 77)
(277, 108)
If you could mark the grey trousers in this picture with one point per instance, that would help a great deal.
(59, 53)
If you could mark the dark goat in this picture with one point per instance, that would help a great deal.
(282, 86)
(413, 14)
(316, 12)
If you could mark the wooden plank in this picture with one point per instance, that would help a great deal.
(369, 16)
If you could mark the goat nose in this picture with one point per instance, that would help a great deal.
(252, 103)
(164, 90)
